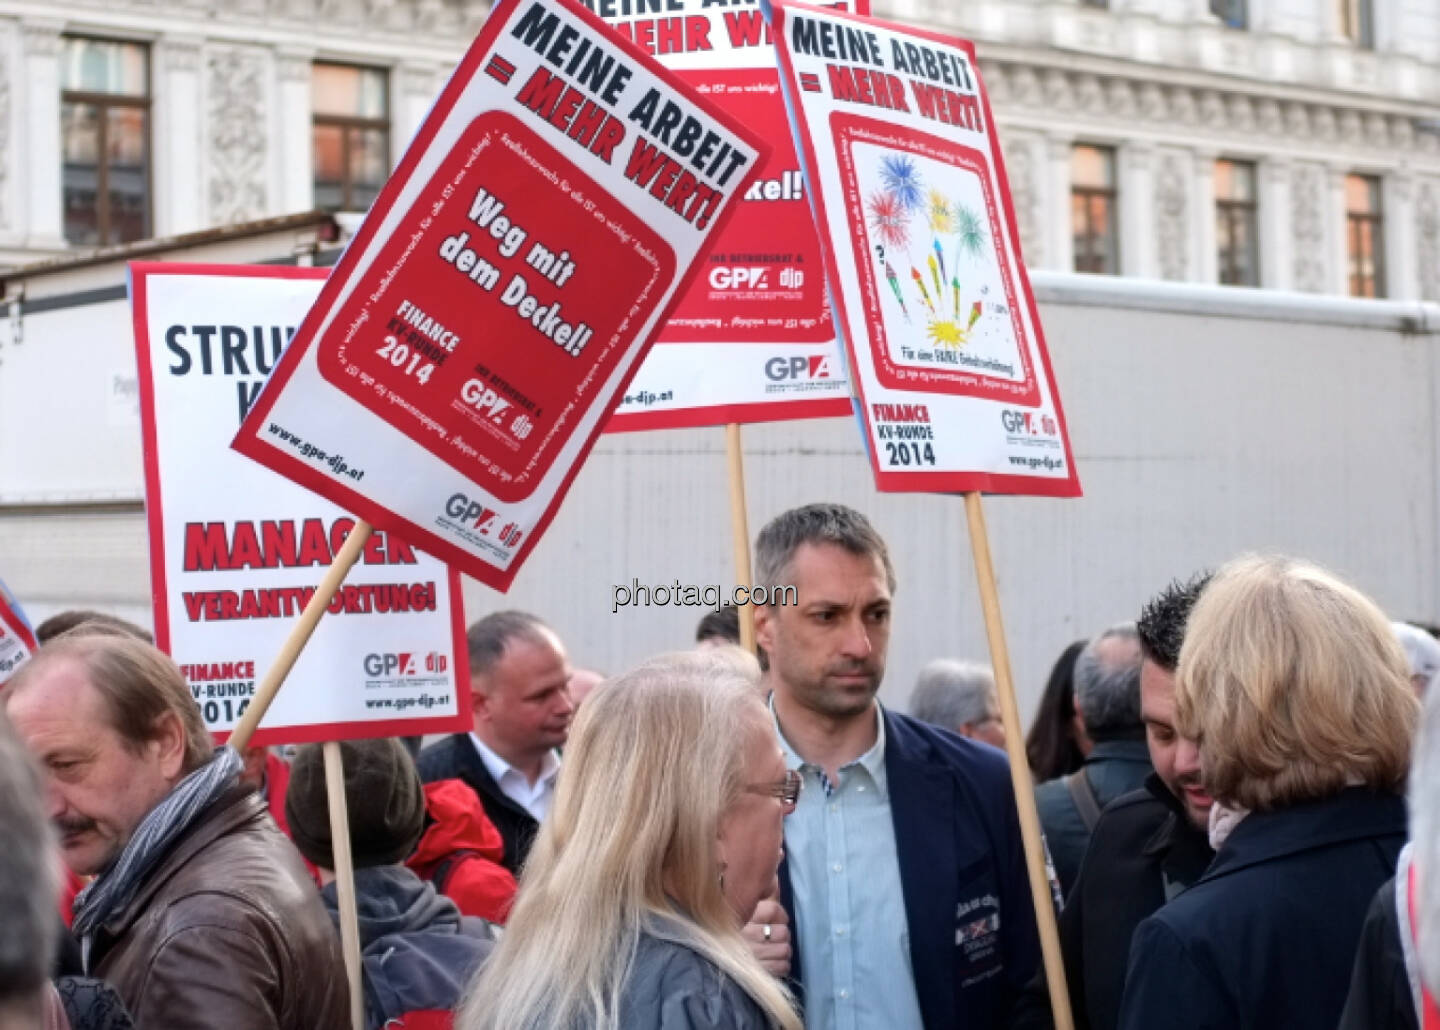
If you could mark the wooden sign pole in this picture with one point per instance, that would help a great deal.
(1019, 767)
(740, 529)
(344, 878)
(300, 635)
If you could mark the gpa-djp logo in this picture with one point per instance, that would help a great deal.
(1027, 423)
(797, 367)
(478, 518)
(396, 664)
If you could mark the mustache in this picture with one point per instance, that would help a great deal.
(73, 825)
(856, 667)
(1192, 780)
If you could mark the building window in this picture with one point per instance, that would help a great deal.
(1231, 13)
(1365, 236)
(1357, 22)
(351, 135)
(1092, 210)
(105, 141)
(1236, 223)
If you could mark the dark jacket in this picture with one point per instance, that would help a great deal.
(672, 987)
(455, 758)
(417, 951)
(1266, 939)
(1113, 769)
(92, 1004)
(227, 931)
(1144, 851)
(1380, 997)
(957, 839)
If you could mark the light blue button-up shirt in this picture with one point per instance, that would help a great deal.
(850, 921)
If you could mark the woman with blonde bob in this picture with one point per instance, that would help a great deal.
(666, 831)
(1298, 695)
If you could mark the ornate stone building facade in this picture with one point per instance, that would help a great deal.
(1311, 98)
(1232, 152)
(228, 131)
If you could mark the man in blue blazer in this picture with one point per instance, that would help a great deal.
(904, 875)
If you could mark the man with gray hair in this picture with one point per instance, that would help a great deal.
(1107, 695)
(903, 874)
(960, 697)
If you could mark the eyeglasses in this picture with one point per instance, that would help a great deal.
(787, 790)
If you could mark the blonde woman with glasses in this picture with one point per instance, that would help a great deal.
(665, 833)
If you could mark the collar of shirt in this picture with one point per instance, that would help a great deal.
(872, 761)
(505, 774)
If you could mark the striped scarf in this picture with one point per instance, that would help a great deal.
(116, 887)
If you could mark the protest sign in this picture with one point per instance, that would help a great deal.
(17, 640)
(236, 550)
(477, 333)
(752, 339)
(939, 324)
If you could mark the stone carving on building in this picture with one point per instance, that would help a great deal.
(1022, 168)
(5, 150)
(1172, 216)
(1427, 239)
(236, 133)
(1307, 221)
(1024, 86)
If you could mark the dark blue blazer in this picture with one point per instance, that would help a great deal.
(1266, 939)
(973, 941)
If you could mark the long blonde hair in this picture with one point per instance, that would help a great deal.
(1294, 685)
(653, 761)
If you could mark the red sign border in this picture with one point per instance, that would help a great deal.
(931, 482)
(247, 442)
(139, 273)
(844, 127)
(11, 618)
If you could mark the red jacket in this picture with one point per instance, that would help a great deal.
(461, 850)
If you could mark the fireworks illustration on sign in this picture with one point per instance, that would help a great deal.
(892, 213)
(969, 231)
(942, 221)
(901, 180)
(888, 220)
(912, 222)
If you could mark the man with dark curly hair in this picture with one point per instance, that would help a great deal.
(1149, 845)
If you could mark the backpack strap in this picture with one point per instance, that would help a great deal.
(1084, 797)
(446, 867)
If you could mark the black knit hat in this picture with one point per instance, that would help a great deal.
(383, 795)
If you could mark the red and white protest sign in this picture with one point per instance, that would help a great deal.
(940, 327)
(752, 339)
(236, 551)
(479, 330)
(17, 641)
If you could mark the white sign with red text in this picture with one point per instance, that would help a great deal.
(236, 551)
(477, 333)
(941, 332)
(752, 339)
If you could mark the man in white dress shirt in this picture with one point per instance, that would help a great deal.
(519, 682)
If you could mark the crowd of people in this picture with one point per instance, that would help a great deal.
(721, 839)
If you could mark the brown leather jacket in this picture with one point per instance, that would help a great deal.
(228, 933)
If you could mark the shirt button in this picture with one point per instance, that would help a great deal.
(837, 867)
(834, 807)
(844, 994)
(839, 931)
(861, 789)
